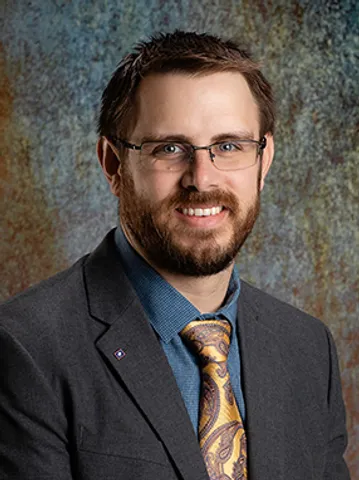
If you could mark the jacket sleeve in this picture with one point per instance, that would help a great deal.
(33, 426)
(336, 468)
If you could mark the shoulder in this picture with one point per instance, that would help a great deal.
(290, 325)
(45, 313)
(277, 312)
(301, 343)
(44, 297)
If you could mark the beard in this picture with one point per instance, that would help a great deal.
(148, 225)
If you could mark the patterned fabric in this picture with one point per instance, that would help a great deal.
(221, 433)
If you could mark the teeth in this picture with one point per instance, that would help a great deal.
(201, 212)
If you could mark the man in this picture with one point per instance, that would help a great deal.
(150, 358)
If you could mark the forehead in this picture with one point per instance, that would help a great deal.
(195, 106)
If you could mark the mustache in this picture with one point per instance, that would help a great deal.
(185, 199)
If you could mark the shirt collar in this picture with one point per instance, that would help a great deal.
(167, 309)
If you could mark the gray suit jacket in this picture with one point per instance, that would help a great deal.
(71, 409)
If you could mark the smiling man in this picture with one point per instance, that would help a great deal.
(150, 358)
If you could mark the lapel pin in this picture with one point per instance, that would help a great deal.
(119, 354)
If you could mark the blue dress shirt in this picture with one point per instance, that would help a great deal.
(169, 312)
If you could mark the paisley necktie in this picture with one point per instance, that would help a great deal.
(221, 434)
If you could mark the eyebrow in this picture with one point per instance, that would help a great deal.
(175, 137)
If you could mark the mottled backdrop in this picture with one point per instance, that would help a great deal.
(56, 57)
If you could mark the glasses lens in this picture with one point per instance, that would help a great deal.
(165, 155)
(235, 154)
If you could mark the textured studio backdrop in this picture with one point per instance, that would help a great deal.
(56, 57)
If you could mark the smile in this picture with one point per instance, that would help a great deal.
(200, 212)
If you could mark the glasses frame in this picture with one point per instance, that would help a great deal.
(262, 143)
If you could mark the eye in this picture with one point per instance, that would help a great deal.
(169, 149)
(229, 147)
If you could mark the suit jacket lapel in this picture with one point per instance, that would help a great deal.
(264, 388)
(277, 446)
(144, 367)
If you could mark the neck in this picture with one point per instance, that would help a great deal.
(207, 294)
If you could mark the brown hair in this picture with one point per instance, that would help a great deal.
(178, 52)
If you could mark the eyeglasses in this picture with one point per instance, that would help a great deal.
(231, 154)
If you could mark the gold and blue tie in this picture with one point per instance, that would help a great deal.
(221, 433)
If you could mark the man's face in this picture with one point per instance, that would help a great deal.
(197, 109)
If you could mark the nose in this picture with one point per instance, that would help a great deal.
(201, 174)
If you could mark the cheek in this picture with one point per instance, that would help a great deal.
(245, 186)
(155, 186)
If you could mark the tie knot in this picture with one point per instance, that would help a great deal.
(210, 339)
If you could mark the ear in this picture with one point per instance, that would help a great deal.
(110, 164)
(267, 158)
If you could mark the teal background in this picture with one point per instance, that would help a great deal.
(56, 58)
